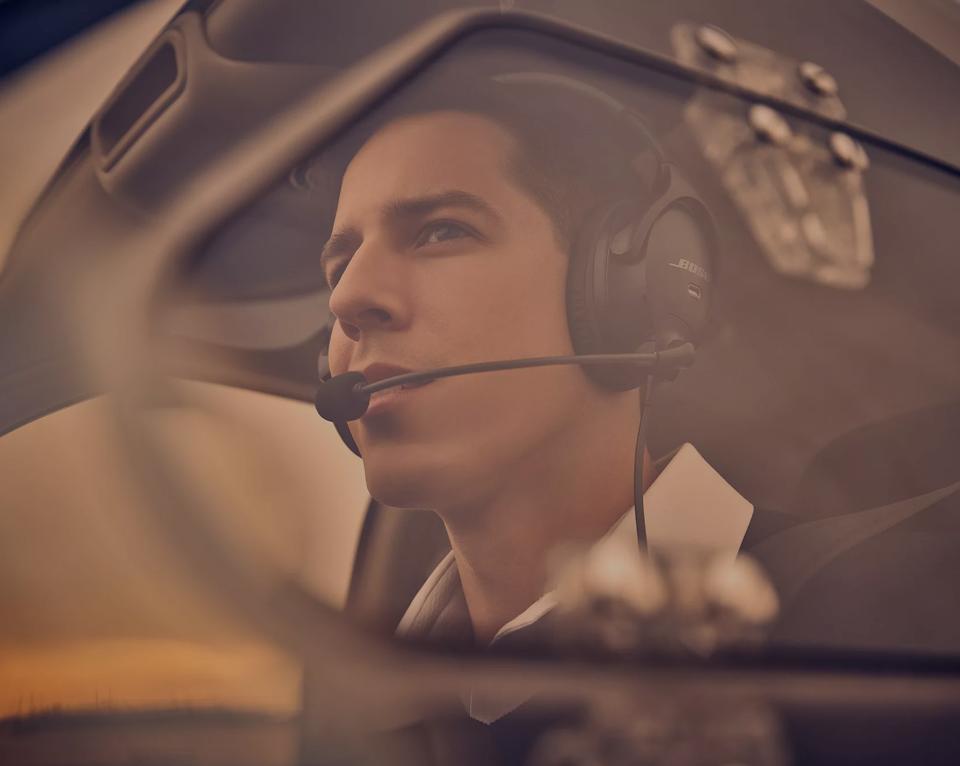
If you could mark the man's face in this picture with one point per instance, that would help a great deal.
(438, 258)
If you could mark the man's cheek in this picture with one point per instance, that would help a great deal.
(338, 352)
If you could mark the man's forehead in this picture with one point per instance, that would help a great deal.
(422, 154)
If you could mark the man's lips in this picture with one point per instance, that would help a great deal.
(378, 371)
(388, 398)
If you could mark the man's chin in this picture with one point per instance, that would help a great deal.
(400, 491)
(412, 477)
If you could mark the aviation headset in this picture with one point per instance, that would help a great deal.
(640, 269)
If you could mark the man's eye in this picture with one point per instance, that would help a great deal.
(441, 231)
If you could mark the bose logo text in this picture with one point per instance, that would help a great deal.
(693, 268)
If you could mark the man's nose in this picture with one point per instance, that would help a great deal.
(370, 294)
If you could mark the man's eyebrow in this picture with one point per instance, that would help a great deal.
(343, 242)
(346, 241)
(418, 207)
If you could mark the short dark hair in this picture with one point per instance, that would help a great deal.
(572, 153)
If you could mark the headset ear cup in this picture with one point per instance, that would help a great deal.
(587, 314)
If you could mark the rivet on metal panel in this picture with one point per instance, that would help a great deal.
(717, 43)
(817, 79)
(768, 125)
(847, 152)
(621, 244)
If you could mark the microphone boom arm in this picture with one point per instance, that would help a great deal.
(679, 356)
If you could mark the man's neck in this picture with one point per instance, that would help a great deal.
(503, 548)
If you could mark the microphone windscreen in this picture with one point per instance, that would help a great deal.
(338, 399)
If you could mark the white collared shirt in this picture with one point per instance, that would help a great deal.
(688, 504)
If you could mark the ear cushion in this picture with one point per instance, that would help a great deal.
(588, 315)
(581, 312)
